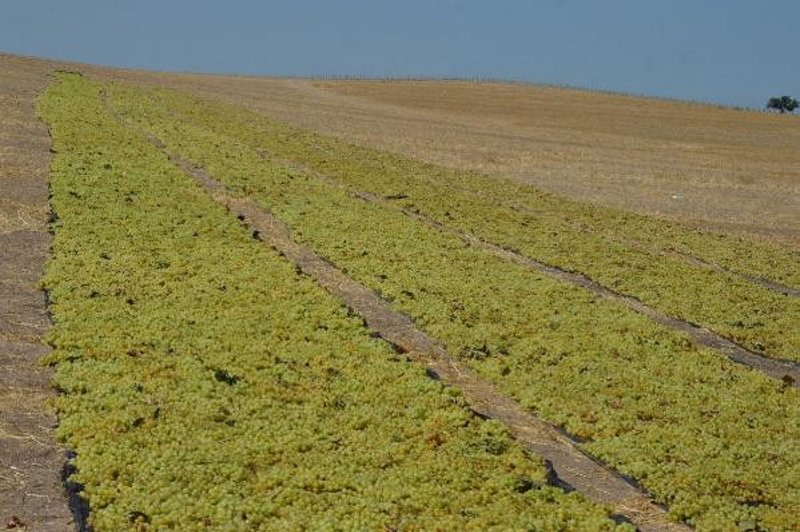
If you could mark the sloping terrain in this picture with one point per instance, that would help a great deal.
(714, 168)
(379, 341)
(625, 386)
(192, 355)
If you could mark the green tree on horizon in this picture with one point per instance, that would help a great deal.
(783, 104)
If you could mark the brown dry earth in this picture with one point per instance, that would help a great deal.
(31, 463)
(714, 168)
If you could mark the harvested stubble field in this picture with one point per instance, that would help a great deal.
(379, 341)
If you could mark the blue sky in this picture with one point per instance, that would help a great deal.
(731, 52)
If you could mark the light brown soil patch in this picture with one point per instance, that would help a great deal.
(31, 463)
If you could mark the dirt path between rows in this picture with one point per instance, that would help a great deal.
(784, 370)
(31, 463)
(571, 466)
(688, 258)
(761, 281)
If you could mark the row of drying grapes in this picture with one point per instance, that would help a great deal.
(598, 242)
(712, 440)
(207, 384)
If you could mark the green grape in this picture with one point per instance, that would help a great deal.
(192, 406)
(710, 439)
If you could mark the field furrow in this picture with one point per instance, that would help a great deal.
(667, 250)
(715, 441)
(785, 371)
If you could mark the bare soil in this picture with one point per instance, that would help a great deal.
(31, 463)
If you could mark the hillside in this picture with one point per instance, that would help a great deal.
(343, 304)
(713, 168)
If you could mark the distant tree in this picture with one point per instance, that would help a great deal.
(783, 104)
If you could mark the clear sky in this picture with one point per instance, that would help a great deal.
(726, 51)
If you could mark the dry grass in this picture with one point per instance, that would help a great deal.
(23, 145)
(720, 169)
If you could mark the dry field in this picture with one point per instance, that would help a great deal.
(729, 170)
(714, 168)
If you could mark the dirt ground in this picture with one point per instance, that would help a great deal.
(715, 168)
(31, 492)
